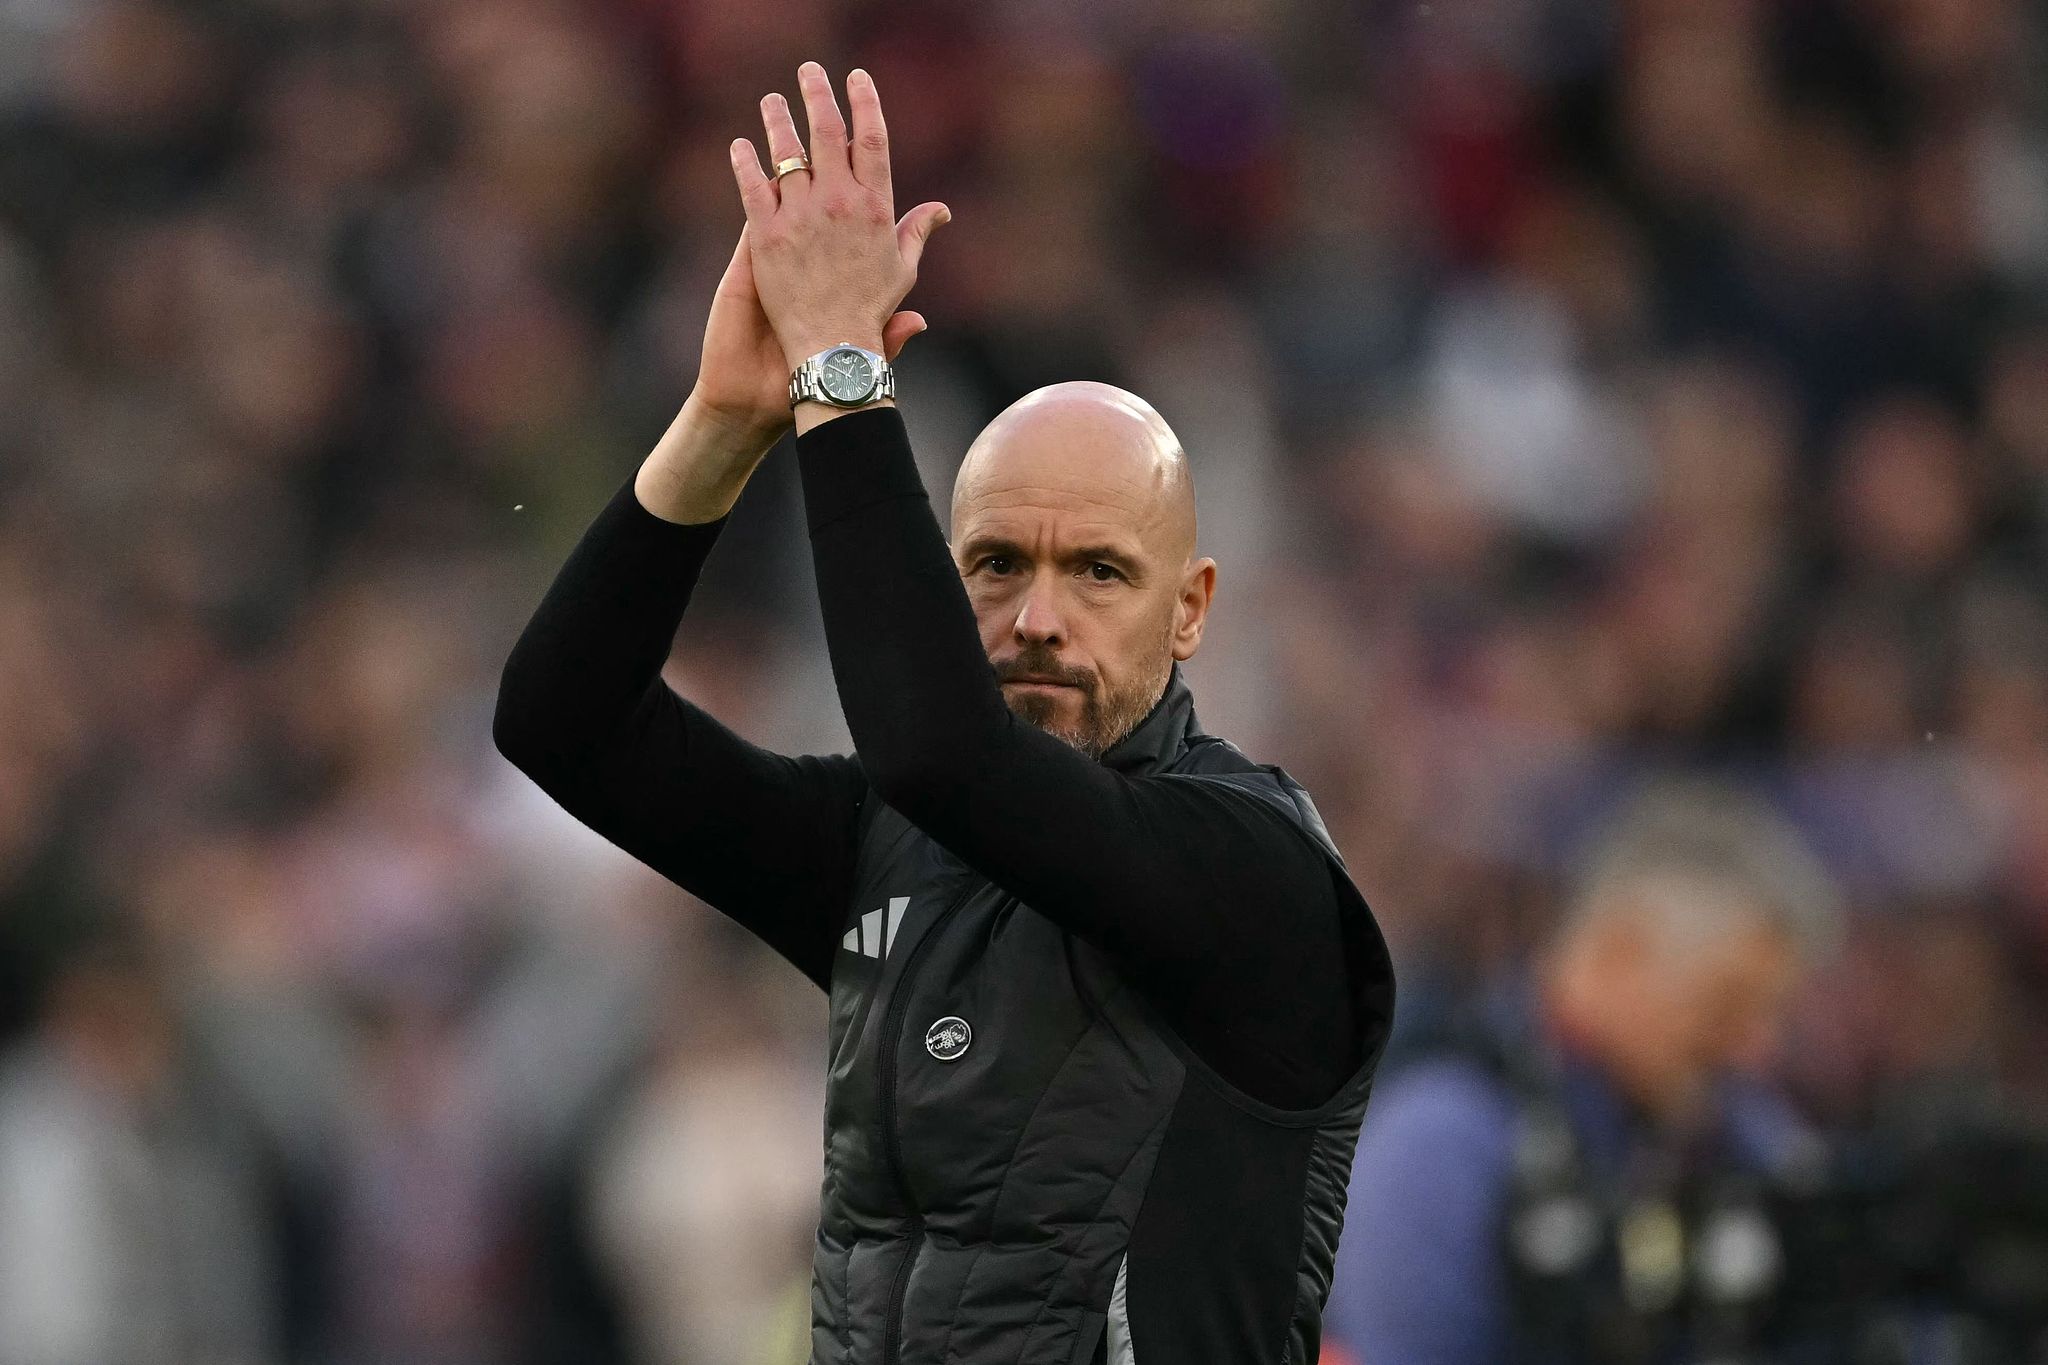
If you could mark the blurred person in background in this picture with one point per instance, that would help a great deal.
(706, 1189)
(1105, 1004)
(134, 1206)
(1580, 1180)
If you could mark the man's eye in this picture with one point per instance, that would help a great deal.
(998, 564)
(1103, 573)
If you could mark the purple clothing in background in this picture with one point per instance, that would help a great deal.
(1418, 1279)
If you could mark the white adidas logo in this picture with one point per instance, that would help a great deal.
(875, 935)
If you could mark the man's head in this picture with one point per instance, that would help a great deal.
(1074, 530)
(1677, 956)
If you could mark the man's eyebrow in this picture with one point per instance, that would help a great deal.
(978, 546)
(1112, 555)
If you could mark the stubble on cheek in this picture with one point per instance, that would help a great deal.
(1035, 707)
(1097, 720)
(1101, 716)
(1044, 710)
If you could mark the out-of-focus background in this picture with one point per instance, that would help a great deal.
(1577, 389)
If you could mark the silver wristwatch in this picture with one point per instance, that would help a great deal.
(844, 376)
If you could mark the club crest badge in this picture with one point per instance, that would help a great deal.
(947, 1039)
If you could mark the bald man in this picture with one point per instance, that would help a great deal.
(1104, 1006)
(1087, 474)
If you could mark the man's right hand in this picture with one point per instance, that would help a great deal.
(743, 378)
(738, 408)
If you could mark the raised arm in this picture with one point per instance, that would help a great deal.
(582, 708)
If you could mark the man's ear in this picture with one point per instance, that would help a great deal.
(1191, 612)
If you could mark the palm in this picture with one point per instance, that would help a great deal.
(743, 375)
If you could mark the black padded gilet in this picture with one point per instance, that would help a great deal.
(1062, 1176)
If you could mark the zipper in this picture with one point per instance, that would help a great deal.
(892, 1150)
(892, 1330)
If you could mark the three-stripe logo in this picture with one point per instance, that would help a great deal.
(875, 935)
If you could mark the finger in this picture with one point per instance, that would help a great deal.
(897, 332)
(917, 228)
(738, 278)
(828, 128)
(870, 135)
(757, 192)
(783, 143)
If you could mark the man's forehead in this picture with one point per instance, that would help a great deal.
(1085, 453)
(1027, 489)
(1052, 529)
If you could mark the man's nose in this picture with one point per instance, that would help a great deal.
(1038, 617)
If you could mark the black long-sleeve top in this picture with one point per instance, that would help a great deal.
(1208, 902)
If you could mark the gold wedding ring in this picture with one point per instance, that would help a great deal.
(791, 163)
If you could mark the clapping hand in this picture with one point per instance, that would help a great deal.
(742, 381)
(828, 260)
(820, 261)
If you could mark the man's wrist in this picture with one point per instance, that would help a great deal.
(696, 471)
(708, 427)
(811, 415)
(811, 412)
(796, 353)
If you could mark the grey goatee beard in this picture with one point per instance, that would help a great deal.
(1107, 715)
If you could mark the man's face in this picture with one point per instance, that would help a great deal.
(1682, 1013)
(1070, 533)
(1730, 1003)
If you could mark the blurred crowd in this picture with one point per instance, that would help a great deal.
(1577, 390)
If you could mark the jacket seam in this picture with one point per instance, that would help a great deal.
(1096, 1217)
(1009, 1166)
(1300, 1253)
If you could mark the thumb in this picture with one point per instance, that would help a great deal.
(739, 271)
(916, 229)
(898, 330)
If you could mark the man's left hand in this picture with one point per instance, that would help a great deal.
(830, 261)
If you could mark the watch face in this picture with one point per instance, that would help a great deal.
(848, 376)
